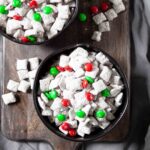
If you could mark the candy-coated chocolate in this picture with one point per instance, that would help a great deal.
(17, 3)
(72, 132)
(89, 79)
(80, 114)
(32, 38)
(94, 9)
(105, 6)
(61, 117)
(47, 10)
(82, 17)
(65, 126)
(48, 95)
(54, 71)
(65, 102)
(68, 68)
(17, 17)
(24, 39)
(100, 113)
(89, 96)
(84, 83)
(88, 67)
(53, 94)
(37, 17)
(61, 69)
(3, 9)
(105, 93)
(33, 4)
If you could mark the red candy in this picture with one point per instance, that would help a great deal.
(65, 126)
(65, 102)
(17, 17)
(89, 96)
(72, 132)
(61, 69)
(105, 6)
(88, 67)
(68, 68)
(94, 9)
(33, 4)
(24, 39)
(84, 83)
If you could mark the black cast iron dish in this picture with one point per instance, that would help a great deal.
(2, 31)
(98, 133)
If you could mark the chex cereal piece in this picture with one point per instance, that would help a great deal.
(96, 36)
(119, 7)
(118, 99)
(102, 103)
(106, 74)
(100, 57)
(116, 2)
(104, 124)
(8, 98)
(44, 83)
(99, 85)
(44, 98)
(104, 27)
(64, 61)
(99, 18)
(79, 52)
(21, 64)
(111, 14)
(41, 103)
(34, 63)
(12, 86)
(46, 112)
(31, 83)
(58, 24)
(32, 74)
(23, 74)
(24, 86)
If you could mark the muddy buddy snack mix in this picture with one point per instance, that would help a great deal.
(81, 92)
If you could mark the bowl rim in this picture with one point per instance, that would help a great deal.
(111, 126)
(11, 38)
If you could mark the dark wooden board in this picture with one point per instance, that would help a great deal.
(20, 121)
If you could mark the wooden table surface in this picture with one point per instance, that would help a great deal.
(20, 121)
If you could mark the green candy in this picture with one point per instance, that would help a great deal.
(61, 117)
(37, 17)
(105, 93)
(80, 114)
(54, 71)
(47, 94)
(100, 113)
(82, 17)
(17, 3)
(32, 38)
(53, 94)
(47, 10)
(3, 9)
(89, 79)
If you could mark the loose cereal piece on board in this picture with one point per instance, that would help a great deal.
(99, 18)
(96, 36)
(8, 98)
(111, 14)
(24, 86)
(21, 64)
(104, 27)
(23, 74)
(12, 86)
(119, 7)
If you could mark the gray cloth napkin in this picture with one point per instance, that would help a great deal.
(140, 89)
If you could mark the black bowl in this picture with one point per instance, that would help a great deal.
(98, 133)
(3, 32)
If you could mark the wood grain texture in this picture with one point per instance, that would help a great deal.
(20, 121)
